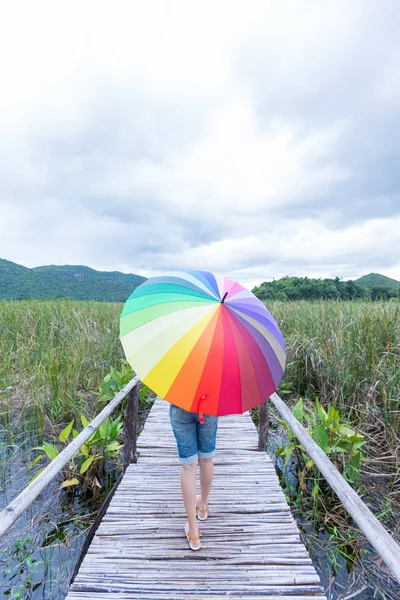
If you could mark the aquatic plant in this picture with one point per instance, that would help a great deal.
(336, 438)
(86, 469)
(21, 568)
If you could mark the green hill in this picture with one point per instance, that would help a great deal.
(305, 288)
(83, 283)
(78, 282)
(378, 281)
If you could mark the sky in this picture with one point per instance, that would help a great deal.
(253, 139)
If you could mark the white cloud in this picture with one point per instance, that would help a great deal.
(238, 137)
(311, 247)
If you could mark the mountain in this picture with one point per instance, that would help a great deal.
(378, 281)
(82, 283)
(78, 282)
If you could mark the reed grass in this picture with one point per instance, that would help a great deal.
(53, 353)
(347, 353)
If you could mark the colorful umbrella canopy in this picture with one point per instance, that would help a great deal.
(203, 342)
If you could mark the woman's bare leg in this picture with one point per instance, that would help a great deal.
(206, 479)
(188, 484)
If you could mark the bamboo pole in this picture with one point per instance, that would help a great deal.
(14, 510)
(381, 540)
(263, 423)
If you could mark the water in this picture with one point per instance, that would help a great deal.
(38, 554)
(347, 564)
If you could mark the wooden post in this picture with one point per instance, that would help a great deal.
(130, 424)
(263, 422)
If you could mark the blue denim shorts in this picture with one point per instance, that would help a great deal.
(194, 439)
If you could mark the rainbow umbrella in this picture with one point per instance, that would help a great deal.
(202, 342)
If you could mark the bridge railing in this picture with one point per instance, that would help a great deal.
(380, 539)
(14, 510)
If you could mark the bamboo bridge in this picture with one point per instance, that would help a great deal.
(251, 546)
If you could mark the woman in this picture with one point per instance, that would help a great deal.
(196, 443)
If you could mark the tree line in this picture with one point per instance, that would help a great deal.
(305, 288)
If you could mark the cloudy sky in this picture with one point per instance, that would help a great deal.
(254, 139)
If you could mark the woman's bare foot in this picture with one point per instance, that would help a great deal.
(193, 538)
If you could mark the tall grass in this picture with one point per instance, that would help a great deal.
(347, 353)
(52, 353)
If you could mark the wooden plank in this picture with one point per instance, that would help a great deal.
(251, 545)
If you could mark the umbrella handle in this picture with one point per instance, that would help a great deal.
(201, 416)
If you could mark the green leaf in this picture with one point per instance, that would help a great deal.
(298, 410)
(113, 447)
(94, 439)
(87, 464)
(315, 490)
(344, 430)
(336, 428)
(309, 464)
(279, 452)
(358, 445)
(65, 432)
(334, 415)
(321, 412)
(74, 433)
(104, 428)
(50, 449)
(320, 438)
(84, 421)
(85, 450)
(69, 482)
(288, 452)
(352, 468)
(116, 427)
(28, 561)
(37, 460)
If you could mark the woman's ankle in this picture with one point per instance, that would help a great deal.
(193, 529)
(203, 503)
(200, 503)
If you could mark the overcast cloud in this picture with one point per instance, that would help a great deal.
(254, 139)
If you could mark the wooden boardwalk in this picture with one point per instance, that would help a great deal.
(250, 543)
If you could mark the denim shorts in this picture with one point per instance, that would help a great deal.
(194, 439)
